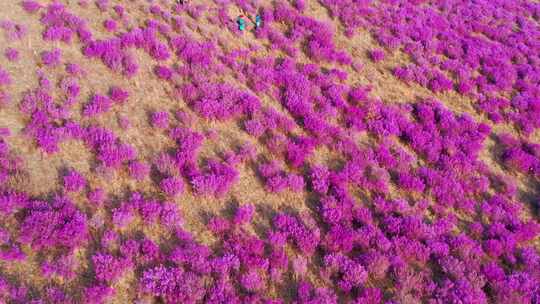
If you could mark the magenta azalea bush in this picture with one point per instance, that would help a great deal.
(268, 170)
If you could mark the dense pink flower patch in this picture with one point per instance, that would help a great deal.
(110, 25)
(519, 155)
(56, 224)
(5, 78)
(163, 72)
(216, 178)
(220, 101)
(138, 170)
(12, 54)
(98, 104)
(172, 284)
(376, 55)
(276, 180)
(51, 58)
(13, 31)
(373, 201)
(118, 94)
(74, 181)
(469, 47)
(172, 186)
(160, 119)
(31, 6)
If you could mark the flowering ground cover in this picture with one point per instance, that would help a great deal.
(340, 152)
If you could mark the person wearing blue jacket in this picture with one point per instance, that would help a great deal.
(258, 21)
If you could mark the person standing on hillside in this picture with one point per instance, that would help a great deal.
(241, 23)
(258, 21)
(242, 26)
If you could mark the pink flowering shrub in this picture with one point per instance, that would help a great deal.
(172, 186)
(31, 6)
(111, 52)
(376, 55)
(220, 101)
(172, 284)
(51, 58)
(62, 267)
(56, 224)
(160, 119)
(98, 104)
(13, 31)
(109, 150)
(305, 237)
(107, 267)
(352, 274)
(110, 25)
(12, 54)
(215, 178)
(395, 201)
(74, 69)
(276, 180)
(193, 52)
(163, 72)
(5, 78)
(138, 170)
(74, 181)
(118, 94)
(522, 156)
(98, 293)
(123, 216)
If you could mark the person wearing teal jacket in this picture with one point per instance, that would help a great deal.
(241, 24)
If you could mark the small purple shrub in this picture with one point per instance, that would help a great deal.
(56, 224)
(5, 78)
(118, 95)
(74, 181)
(31, 6)
(98, 104)
(12, 54)
(174, 285)
(163, 72)
(376, 55)
(160, 119)
(172, 186)
(107, 267)
(138, 170)
(51, 58)
(110, 25)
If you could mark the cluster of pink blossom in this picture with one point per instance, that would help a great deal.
(74, 181)
(9, 163)
(473, 48)
(220, 101)
(398, 206)
(51, 58)
(12, 54)
(55, 224)
(13, 30)
(160, 119)
(98, 104)
(5, 80)
(60, 24)
(520, 155)
(277, 180)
